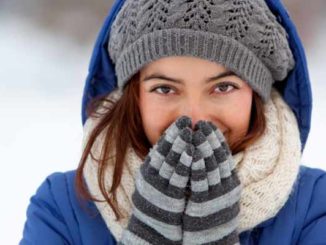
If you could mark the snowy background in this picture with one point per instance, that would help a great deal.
(45, 47)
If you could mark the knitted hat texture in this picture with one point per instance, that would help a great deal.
(242, 35)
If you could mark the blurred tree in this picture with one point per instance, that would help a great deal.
(307, 15)
(81, 19)
(78, 19)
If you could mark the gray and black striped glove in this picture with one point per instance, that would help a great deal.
(211, 215)
(159, 197)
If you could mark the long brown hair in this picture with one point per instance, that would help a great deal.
(123, 119)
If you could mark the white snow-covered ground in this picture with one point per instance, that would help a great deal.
(41, 82)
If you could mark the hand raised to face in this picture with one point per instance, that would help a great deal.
(187, 191)
(211, 214)
(159, 198)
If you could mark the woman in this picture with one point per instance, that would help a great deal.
(201, 141)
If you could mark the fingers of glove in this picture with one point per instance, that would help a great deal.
(172, 132)
(159, 177)
(183, 122)
(209, 133)
(211, 214)
(216, 170)
(198, 176)
(221, 137)
(153, 160)
(159, 202)
(160, 206)
(175, 153)
(200, 141)
(205, 148)
(180, 176)
(164, 199)
(162, 148)
(209, 207)
(222, 154)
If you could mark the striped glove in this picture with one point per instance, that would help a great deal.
(211, 215)
(159, 196)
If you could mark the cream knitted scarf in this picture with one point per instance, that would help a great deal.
(267, 170)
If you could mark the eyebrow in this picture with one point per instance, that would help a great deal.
(164, 77)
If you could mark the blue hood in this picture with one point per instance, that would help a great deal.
(296, 90)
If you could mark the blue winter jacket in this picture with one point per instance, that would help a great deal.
(56, 216)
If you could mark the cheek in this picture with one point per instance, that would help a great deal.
(156, 117)
(238, 119)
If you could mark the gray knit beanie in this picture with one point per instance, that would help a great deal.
(242, 35)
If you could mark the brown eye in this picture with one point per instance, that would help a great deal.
(163, 90)
(225, 87)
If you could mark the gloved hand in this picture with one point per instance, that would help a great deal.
(211, 215)
(159, 196)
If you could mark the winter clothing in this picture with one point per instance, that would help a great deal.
(280, 203)
(160, 204)
(159, 196)
(242, 35)
(267, 169)
(56, 216)
(212, 211)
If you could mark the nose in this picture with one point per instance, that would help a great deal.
(196, 110)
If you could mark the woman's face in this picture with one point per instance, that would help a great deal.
(202, 90)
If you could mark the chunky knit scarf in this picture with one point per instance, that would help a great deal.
(267, 169)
